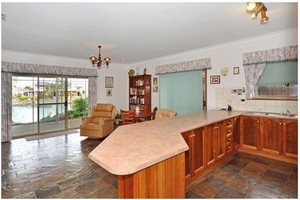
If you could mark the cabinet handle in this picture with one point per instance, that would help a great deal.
(280, 123)
(284, 124)
(257, 121)
(229, 139)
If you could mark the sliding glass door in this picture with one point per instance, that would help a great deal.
(43, 104)
(52, 104)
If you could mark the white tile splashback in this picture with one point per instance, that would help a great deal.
(225, 97)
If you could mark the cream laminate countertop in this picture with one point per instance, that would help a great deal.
(131, 148)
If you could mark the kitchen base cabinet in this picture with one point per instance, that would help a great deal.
(194, 157)
(250, 130)
(271, 135)
(290, 138)
(208, 146)
(162, 180)
(275, 138)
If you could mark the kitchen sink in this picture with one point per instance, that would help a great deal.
(273, 114)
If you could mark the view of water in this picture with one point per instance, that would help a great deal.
(28, 113)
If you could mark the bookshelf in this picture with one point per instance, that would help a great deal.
(140, 91)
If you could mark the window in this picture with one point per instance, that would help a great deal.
(278, 81)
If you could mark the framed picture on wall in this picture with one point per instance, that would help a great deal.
(109, 92)
(155, 84)
(109, 82)
(215, 79)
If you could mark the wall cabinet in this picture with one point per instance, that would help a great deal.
(270, 135)
(140, 92)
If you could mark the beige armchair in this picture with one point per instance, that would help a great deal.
(165, 113)
(101, 122)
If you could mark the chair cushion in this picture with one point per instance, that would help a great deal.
(164, 113)
(93, 126)
(102, 114)
(104, 107)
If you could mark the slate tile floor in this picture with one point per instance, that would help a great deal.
(58, 167)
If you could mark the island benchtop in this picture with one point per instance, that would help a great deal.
(134, 147)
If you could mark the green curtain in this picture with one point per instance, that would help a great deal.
(182, 92)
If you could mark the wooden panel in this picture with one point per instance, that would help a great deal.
(220, 136)
(165, 179)
(188, 153)
(250, 128)
(198, 150)
(236, 133)
(271, 136)
(209, 145)
(290, 138)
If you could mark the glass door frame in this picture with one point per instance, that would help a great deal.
(65, 103)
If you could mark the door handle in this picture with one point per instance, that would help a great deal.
(66, 103)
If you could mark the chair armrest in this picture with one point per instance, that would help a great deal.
(103, 120)
(85, 120)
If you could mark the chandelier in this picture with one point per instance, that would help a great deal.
(255, 8)
(98, 61)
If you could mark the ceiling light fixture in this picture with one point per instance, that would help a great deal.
(255, 8)
(98, 61)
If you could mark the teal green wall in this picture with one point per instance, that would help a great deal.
(285, 72)
(181, 92)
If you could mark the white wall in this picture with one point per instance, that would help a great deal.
(223, 55)
(118, 71)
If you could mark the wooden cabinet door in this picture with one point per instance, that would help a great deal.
(250, 129)
(198, 154)
(236, 133)
(220, 136)
(209, 145)
(290, 138)
(187, 136)
(271, 135)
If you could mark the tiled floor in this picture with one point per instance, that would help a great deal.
(58, 167)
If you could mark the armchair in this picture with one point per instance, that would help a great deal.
(165, 113)
(100, 123)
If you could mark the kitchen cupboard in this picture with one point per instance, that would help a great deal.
(290, 138)
(207, 146)
(194, 157)
(250, 129)
(236, 135)
(270, 135)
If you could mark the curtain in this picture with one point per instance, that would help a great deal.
(185, 66)
(6, 106)
(252, 75)
(92, 92)
(182, 92)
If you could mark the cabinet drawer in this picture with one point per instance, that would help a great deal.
(229, 122)
(229, 146)
(229, 130)
(229, 138)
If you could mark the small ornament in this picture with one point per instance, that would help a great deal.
(145, 69)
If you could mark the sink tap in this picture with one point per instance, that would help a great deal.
(287, 113)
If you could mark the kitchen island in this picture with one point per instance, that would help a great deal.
(149, 157)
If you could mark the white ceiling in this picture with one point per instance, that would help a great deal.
(133, 31)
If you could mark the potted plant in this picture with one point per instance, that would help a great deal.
(118, 118)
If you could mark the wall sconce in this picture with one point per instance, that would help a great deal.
(255, 8)
(224, 71)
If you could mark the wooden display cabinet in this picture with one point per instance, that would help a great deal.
(140, 92)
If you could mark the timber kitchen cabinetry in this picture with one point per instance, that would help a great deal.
(250, 129)
(270, 135)
(207, 146)
(194, 157)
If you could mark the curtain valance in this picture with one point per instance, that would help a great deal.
(289, 53)
(25, 68)
(184, 66)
